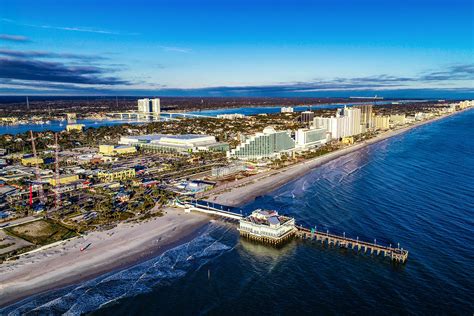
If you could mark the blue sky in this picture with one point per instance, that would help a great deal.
(238, 48)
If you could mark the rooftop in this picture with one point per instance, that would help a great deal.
(266, 217)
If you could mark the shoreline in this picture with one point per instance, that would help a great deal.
(119, 248)
(259, 185)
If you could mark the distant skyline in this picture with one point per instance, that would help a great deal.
(403, 48)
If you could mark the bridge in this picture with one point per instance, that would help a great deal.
(185, 115)
(395, 254)
(207, 209)
(162, 116)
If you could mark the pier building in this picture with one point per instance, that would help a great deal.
(267, 226)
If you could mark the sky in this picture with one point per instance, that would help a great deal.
(391, 48)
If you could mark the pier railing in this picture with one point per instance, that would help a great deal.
(208, 209)
(395, 254)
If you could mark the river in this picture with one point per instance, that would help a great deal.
(57, 126)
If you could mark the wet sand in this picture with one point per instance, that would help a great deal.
(118, 248)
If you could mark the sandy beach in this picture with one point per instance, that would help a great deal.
(245, 190)
(120, 247)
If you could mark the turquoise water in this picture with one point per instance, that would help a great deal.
(416, 189)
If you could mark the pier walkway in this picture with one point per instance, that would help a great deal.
(212, 210)
(395, 254)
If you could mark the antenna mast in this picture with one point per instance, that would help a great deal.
(37, 170)
(56, 163)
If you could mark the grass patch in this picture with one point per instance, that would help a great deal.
(6, 245)
(41, 232)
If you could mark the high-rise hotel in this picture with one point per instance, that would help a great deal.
(366, 116)
(149, 106)
(345, 123)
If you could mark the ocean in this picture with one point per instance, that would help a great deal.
(415, 189)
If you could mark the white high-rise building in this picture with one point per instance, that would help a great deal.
(307, 138)
(333, 125)
(354, 115)
(345, 123)
(266, 145)
(149, 106)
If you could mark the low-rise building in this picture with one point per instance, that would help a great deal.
(32, 161)
(230, 116)
(76, 185)
(117, 150)
(116, 174)
(174, 143)
(287, 109)
(223, 171)
(267, 226)
(64, 179)
(349, 140)
(75, 127)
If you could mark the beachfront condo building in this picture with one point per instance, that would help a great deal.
(365, 116)
(287, 109)
(397, 119)
(310, 137)
(465, 104)
(381, 122)
(265, 145)
(307, 116)
(345, 123)
(354, 115)
(149, 106)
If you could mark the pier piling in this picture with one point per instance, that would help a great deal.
(395, 254)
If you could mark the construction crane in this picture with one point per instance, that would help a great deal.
(56, 163)
(37, 170)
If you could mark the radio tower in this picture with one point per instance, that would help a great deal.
(56, 163)
(37, 170)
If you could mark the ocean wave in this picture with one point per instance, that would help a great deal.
(141, 278)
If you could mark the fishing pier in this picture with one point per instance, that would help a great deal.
(271, 228)
(395, 254)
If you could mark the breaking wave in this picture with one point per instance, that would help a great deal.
(141, 278)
